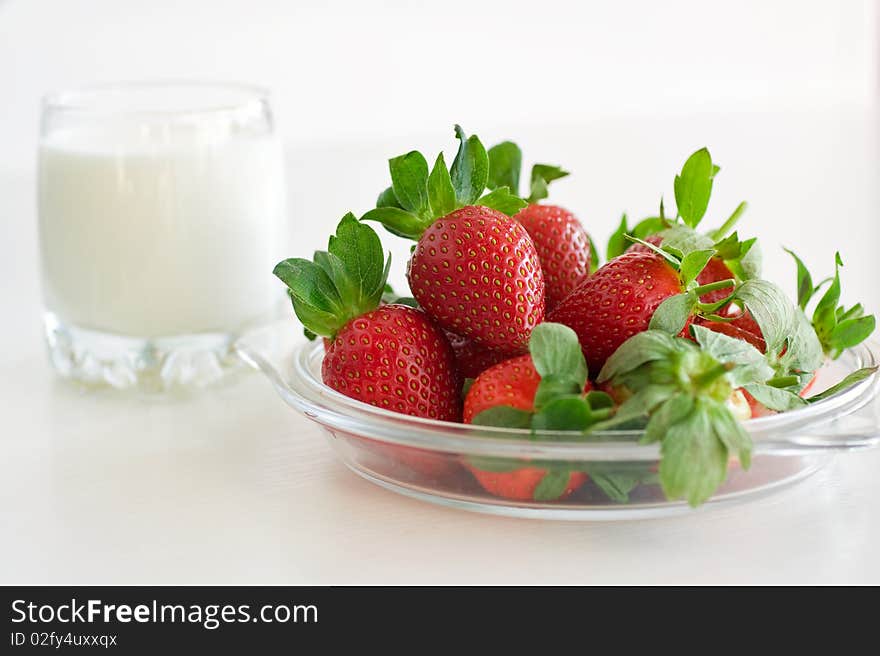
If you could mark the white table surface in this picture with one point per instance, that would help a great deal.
(233, 487)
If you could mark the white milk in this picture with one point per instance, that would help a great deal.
(150, 233)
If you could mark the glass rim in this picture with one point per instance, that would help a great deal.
(88, 99)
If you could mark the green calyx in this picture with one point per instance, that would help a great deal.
(505, 167)
(693, 188)
(560, 403)
(682, 389)
(339, 284)
(419, 195)
(836, 327)
(688, 253)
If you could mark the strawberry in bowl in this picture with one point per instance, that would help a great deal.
(523, 375)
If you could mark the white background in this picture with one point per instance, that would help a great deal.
(234, 488)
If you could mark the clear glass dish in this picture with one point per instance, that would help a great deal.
(425, 458)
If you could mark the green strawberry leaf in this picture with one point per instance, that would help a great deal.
(341, 283)
(552, 486)
(644, 401)
(693, 186)
(309, 335)
(466, 386)
(825, 314)
(853, 378)
(750, 261)
(542, 175)
(503, 416)
(599, 400)
(804, 353)
(693, 263)
(618, 242)
(388, 199)
(771, 309)
(409, 179)
(804, 281)
(552, 387)
(672, 314)
(674, 409)
(729, 248)
(309, 285)
(564, 413)
(470, 168)
(639, 349)
(617, 479)
(360, 252)
(397, 221)
(774, 397)
(441, 193)
(556, 352)
(594, 255)
(694, 460)
(730, 432)
(651, 226)
(850, 332)
(503, 200)
(682, 240)
(505, 164)
(753, 364)
(671, 256)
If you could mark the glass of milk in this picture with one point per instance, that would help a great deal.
(161, 215)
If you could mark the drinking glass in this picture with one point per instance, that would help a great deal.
(161, 215)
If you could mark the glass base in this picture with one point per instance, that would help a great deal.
(162, 364)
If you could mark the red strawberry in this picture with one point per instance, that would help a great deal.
(513, 385)
(522, 484)
(471, 358)
(715, 271)
(391, 356)
(476, 272)
(563, 247)
(616, 302)
(474, 269)
(395, 358)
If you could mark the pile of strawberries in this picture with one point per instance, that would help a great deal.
(513, 323)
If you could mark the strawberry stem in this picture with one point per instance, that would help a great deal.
(704, 379)
(714, 286)
(783, 381)
(731, 221)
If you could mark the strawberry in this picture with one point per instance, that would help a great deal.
(544, 389)
(476, 272)
(471, 358)
(714, 271)
(474, 269)
(511, 383)
(392, 356)
(528, 483)
(620, 300)
(564, 248)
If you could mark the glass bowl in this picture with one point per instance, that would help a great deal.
(428, 459)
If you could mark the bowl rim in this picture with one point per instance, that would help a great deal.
(295, 376)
